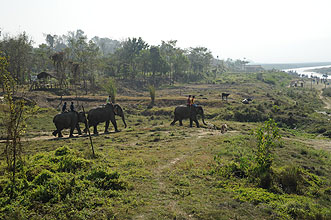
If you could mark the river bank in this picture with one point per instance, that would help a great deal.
(308, 71)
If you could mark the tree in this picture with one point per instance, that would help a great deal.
(129, 53)
(200, 58)
(106, 45)
(17, 51)
(14, 121)
(111, 89)
(266, 136)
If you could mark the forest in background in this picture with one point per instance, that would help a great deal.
(76, 60)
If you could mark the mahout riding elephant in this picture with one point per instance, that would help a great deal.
(105, 113)
(68, 120)
(191, 112)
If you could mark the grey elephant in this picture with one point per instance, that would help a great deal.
(68, 120)
(191, 112)
(105, 113)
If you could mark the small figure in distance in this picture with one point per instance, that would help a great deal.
(64, 107)
(189, 101)
(108, 101)
(72, 107)
(225, 95)
(192, 101)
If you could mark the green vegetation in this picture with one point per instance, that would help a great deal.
(63, 184)
(152, 94)
(327, 92)
(111, 89)
(272, 163)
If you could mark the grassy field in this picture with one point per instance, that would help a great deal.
(152, 170)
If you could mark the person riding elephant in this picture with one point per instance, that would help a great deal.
(105, 113)
(183, 112)
(68, 120)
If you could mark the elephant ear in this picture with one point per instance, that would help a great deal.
(116, 109)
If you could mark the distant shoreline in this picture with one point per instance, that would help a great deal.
(282, 66)
(325, 70)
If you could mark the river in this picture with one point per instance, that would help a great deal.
(308, 71)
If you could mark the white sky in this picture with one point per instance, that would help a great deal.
(269, 31)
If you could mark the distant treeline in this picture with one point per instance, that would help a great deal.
(75, 59)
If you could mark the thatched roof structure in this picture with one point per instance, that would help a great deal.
(44, 75)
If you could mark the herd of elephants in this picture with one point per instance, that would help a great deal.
(105, 113)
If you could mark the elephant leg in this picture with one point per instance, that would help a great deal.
(71, 131)
(196, 122)
(175, 119)
(106, 127)
(113, 121)
(191, 122)
(95, 130)
(78, 129)
(55, 133)
(60, 134)
(181, 122)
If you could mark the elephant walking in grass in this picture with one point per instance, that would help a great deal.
(191, 112)
(68, 120)
(105, 113)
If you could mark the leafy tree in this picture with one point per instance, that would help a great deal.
(106, 45)
(17, 50)
(128, 54)
(111, 89)
(267, 136)
(200, 58)
(14, 121)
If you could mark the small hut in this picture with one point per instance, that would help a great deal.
(43, 81)
(46, 75)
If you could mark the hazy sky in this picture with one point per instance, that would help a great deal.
(260, 30)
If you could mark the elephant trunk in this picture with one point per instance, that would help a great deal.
(203, 119)
(123, 119)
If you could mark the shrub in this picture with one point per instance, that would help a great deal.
(106, 180)
(266, 137)
(61, 151)
(70, 163)
(43, 177)
(327, 92)
(151, 90)
(249, 115)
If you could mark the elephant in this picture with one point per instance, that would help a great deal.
(105, 113)
(68, 120)
(191, 112)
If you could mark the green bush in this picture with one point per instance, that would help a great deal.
(327, 92)
(296, 180)
(70, 163)
(249, 115)
(43, 177)
(61, 151)
(106, 180)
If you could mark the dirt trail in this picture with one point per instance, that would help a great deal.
(161, 171)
